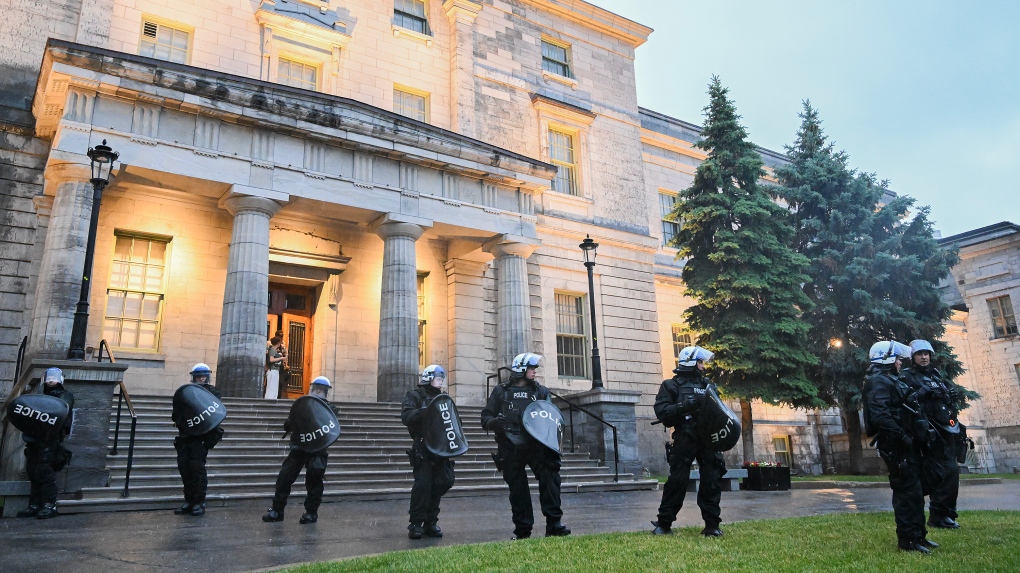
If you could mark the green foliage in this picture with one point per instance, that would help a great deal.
(842, 542)
(740, 269)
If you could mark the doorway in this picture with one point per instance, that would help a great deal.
(291, 310)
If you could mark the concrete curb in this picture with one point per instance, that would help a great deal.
(875, 484)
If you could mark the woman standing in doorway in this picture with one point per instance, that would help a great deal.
(275, 357)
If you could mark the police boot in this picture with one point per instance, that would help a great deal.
(928, 543)
(432, 530)
(184, 509)
(943, 523)
(415, 531)
(556, 529)
(913, 544)
(273, 516)
(518, 535)
(308, 518)
(30, 511)
(711, 531)
(48, 510)
(198, 510)
(662, 528)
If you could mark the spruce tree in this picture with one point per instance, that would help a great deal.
(874, 270)
(741, 271)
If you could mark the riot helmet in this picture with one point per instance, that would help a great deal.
(200, 373)
(434, 375)
(917, 347)
(53, 376)
(885, 352)
(689, 357)
(320, 387)
(521, 363)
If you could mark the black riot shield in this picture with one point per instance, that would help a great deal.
(441, 429)
(197, 411)
(718, 426)
(38, 416)
(314, 424)
(544, 422)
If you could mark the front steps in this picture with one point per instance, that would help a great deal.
(368, 462)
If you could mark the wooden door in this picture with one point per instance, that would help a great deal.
(297, 337)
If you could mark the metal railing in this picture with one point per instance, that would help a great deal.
(122, 397)
(570, 409)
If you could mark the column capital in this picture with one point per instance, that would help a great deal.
(243, 203)
(511, 245)
(397, 225)
(59, 172)
(464, 10)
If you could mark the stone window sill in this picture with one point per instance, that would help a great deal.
(547, 75)
(579, 199)
(399, 31)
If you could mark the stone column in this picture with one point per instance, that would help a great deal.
(513, 301)
(466, 308)
(462, 14)
(63, 258)
(398, 312)
(242, 353)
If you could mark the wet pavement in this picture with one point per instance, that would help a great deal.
(235, 539)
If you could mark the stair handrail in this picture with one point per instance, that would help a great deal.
(496, 376)
(16, 389)
(122, 396)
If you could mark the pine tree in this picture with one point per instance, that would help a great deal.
(874, 272)
(742, 273)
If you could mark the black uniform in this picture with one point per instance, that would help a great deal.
(192, 453)
(940, 472)
(43, 458)
(433, 475)
(887, 418)
(315, 470)
(517, 450)
(677, 405)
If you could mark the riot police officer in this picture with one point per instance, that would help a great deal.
(193, 450)
(433, 475)
(677, 405)
(43, 458)
(888, 419)
(940, 472)
(503, 415)
(314, 465)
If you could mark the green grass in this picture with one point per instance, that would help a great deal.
(988, 541)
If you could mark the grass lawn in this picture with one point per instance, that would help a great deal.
(988, 541)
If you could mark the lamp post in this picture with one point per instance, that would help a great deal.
(102, 157)
(590, 248)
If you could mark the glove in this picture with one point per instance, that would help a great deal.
(922, 394)
(687, 406)
(906, 441)
(954, 394)
(498, 425)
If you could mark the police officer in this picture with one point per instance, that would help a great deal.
(192, 451)
(677, 405)
(43, 458)
(887, 417)
(313, 464)
(504, 415)
(433, 475)
(940, 472)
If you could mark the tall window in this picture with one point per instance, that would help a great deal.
(422, 322)
(562, 155)
(555, 59)
(670, 229)
(781, 444)
(571, 341)
(297, 74)
(681, 339)
(410, 14)
(163, 42)
(1003, 320)
(411, 105)
(134, 298)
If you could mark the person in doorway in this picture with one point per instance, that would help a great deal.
(43, 458)
(193, 451)
(433, 475)
(275, 358)
(504, 415)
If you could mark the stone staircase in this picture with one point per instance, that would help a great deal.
(367, 462)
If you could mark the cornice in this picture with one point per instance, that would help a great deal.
(596, 18)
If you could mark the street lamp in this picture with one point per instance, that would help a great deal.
(102, 157)
(590, 249)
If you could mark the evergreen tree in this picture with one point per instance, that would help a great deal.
(874, 272)
(742, 273)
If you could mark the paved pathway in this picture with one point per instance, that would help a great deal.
(235, 539)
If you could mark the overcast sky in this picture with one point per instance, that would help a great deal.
(925, 94)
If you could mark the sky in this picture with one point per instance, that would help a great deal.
(925, 94)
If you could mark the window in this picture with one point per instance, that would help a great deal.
(555, 59)
(781, 444)
(297, 74)
(571, 341)
(410, 14)
(134, 298)
(163, 42)
(1003, 320)
(670, 228)
(422, 331)
(681, 339)
(412, 105)
(562, 155)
